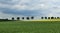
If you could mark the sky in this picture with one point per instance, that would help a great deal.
(14, 8)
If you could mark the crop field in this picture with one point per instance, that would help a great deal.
(29, 27)
(44, 20)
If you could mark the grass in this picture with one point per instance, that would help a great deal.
(29, 27)
(44, 20)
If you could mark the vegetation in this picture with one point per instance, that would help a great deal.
(46, 25)
(58, 18)
(42, 17)
(12, 18)
(45, 17)
(48, 17)
(23, 18)
(27, 18)
(18, 18)
(32, 17)
(29, 27)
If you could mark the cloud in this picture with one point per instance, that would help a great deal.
(30, 7)
(10, 2)
(24, 12)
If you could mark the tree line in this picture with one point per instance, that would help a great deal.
(50, 17)
(18, 18)
(28, 18)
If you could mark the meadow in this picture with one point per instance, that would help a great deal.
(29, 27)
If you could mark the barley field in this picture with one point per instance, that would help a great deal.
(29, 27)
(44, 20)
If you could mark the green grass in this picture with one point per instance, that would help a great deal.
(29, 27)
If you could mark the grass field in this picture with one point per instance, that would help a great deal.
(29, 27)
(44, 20)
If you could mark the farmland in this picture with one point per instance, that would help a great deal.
(29, 27)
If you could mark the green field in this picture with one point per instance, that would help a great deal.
(29, 27)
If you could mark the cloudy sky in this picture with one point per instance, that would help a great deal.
(14, 8)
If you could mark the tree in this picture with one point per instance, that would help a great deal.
(6, 18)
(45, 17)
(12, 18)
(55, 17)
(18, 18)
(48, 17)
(42, 17)
(52, 17)
(22, 17)
(58, 18)
(27, 18)
(32, 17)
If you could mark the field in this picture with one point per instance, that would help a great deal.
(44, 20)
(29, 27)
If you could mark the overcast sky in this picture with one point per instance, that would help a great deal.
(14, 8)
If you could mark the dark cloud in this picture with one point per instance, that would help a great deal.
(9, 2)
(23, 12)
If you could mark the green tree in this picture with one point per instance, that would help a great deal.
(58, 17)
(32, 17)
(42, 17)
(18, 18)
(45, 17)
(55, 18)
(22, 17)
(52, 17)
(48, 17)
(12, 18)
(27, 18)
